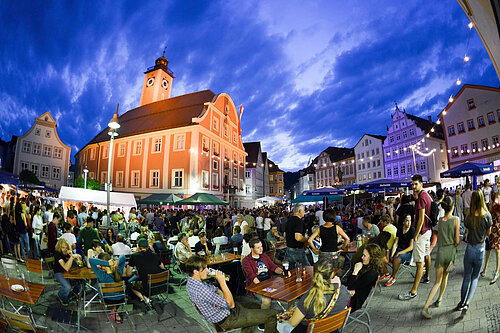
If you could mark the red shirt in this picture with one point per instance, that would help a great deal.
(250, 267)
(423, 202)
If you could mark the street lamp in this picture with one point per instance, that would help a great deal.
(113, 127)
(85, 171)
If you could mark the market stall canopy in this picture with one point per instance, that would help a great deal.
(468, 169)
(386, 183)
(323, 191)
(96, 197)
(9, 178)
(160, 199)
(269, 199)
(305, 198)
(199, 199)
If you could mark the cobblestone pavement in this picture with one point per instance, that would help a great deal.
(388, 313)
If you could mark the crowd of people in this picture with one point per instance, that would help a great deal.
(396, 231)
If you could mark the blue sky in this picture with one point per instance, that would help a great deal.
(310, 74)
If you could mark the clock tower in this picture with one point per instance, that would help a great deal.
(157, 82)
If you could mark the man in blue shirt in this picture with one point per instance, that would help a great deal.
(217, 305)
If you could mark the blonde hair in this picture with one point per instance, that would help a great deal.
(59, 244)
(320, 286)
(477, 205)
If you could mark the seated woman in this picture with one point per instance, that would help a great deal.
(203, 247)
(219, 239)
(63, 260)
(380, 240)
(94, 251)
(159, 243)
(110, 236)
(402, 248)
(108, 270)
(365, 274)
(325, 298)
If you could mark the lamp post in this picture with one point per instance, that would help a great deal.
(113, 127)
(85, 172)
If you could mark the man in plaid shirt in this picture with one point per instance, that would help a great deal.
(218, 306)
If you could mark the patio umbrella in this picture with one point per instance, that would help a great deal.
(304, 198)
(321, 192)
(200, 199)
(468, 169)
(385, 183)
(160, 199)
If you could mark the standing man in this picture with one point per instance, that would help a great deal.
(87, 235)
(487, 193)
(422, 238)
(466, 196)
(295, 238)
(218, 306)
(52, 233)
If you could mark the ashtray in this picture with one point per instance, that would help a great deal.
(17, 287)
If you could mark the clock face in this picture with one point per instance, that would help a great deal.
(164, 84)
(150, 81)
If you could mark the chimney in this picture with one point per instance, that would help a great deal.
(430, 118)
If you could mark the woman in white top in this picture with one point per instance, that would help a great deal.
(267, 223)
(219, 239)
(259, 225)
(37, 226)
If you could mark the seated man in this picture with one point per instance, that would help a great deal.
(146, 262)
(402, 248)
(369, 229)
(120, 247)
(258, 267)
(274, 236)
(203, 247)
(182, 249)
(217, 305)
(237, 237)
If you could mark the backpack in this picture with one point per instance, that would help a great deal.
(434, 214)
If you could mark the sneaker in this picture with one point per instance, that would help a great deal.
(407, 295)
(425, 280)
(64, 303)
(385, 276)
(464, 309)
(390, 282)
(261, 327)
(426, 314)
(459, 307)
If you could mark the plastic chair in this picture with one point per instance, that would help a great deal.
(355, 316)
(114, 294)
(158, 285)
(330, 324)
(22, 323)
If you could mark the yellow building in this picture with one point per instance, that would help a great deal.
(276, 184)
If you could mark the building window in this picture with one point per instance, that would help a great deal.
(156, 145)
(47, 151)
(47, 134)
(443, 165)
(215, 165)
(405, 134)
(247, 174)
(451, 130)
(92, 154)
(121, 150)
(491, 118)
(45, 171)
(37, 148)
(204, 144)
(215, 124)
(91, 174)
(248, 189)
(498, 114)
(234, 137)
(464, 149)
(367, 165)
(470, 124)
(24, 166)
(177, 177)
(484, 144)
(409, 168)
(480, 122)
(179, 142)
(379, 174)
(105, 152)
(454, 152)
(403, 171)
(119, 179)
(422, 165)
(378, 162)
(224, 125)
(104, 177)
(215, 180)
(412, 132)
(495, 141)
(205, 181)
(395, 171)
(136, 174)
(360, 177)
(37, 131)
(391, 139)
(470, 104)
(398, 137)
(56, 173)
(461, 128)
(26, 147)
(235, 171)
(473, 145)
(57, 152)
(137, 147)
(34, 168)
(154, 178)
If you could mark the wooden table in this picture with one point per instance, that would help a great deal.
(287, 289)
(353, 247)
(29, 296)
(280, 246)
(82, 273)
(216, 259)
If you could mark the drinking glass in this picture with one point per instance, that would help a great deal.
(299, 273)
(286, 265)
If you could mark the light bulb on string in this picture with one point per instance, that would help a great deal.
(458, 82)
(450, 99)
(438, 121)
(466, 58)
(470, 25)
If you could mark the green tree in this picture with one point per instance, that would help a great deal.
(91, 183)
(29, 177)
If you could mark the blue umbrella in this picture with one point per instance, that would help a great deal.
(385, 183)
(468, 169)
(324, 191)
(352, 187)
(303, 198)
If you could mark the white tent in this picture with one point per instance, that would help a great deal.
(267, 201)
(116, 199)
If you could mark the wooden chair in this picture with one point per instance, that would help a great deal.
(34, 266)
(157, 286)
(22, 323)
(330, 324)
(114, 294)
(271, 254)
(49, 261)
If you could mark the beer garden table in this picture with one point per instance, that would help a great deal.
(82, 273)
(30, 295)
(216, 259)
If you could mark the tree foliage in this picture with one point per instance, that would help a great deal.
(91, 183)
(29, 177)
